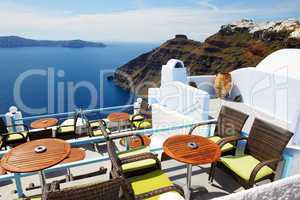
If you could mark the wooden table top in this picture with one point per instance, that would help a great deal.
(44, 123)
(118, 117)
(76, 154)
(23, 158)
(206, 152)
(2, 171)
(135, 142)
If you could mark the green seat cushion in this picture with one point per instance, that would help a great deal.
(95, 124)
(138, 165)
(149, 182)
(14, 137)
(142, 124)
(226, 147)
(66, 129)
(244, 165)
(97, 133)
(133, 152)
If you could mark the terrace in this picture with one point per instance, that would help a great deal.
(176, 108)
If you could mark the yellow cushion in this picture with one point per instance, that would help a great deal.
(14, 137)
(97, 133)
(226, 147)
(142, 124)
(66, 129)
(149, 182)
(244, 165)
(95, 124)
(141, 164)
(133, 152)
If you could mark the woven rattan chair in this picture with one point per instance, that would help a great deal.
(108, 190)
(95, 127)
(230, 123)
(146, 185)
(263, 153)
(12, 139)
(133, 162)
(142, 120)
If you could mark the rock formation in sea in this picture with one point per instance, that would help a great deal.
(241, 44)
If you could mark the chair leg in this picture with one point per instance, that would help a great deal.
(212, 173)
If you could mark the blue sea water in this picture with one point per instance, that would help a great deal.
(42, 80)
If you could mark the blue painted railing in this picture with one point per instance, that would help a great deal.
(83, 141)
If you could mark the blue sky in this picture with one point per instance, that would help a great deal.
(133, 20)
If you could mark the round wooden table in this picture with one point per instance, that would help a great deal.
(179, 148)
(136, 142)
(44, 123)
(118, 117)
(24, 157)
(76, 154)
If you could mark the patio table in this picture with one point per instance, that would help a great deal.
(44, 123)
(191, 150)
(35, 156)
(135, 142)
(118, 117)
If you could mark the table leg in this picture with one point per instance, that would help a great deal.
(42, 179)
(189, 181)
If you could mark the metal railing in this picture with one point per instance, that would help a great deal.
(84, 141)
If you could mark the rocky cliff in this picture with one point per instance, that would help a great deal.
(237, 45)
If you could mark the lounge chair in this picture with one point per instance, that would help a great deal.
(148, 185)
(230, 123)
(263, 153)
(12, 139)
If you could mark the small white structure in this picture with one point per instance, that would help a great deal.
(174, 70)
(176, 103)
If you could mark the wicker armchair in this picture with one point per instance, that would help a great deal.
(142, 120)
(263, 153)
(229, 123)
(95, 127)
(145, 185)
(12, 139)
(108, 190)
(133, 162)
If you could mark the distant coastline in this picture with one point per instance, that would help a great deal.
(15, 42)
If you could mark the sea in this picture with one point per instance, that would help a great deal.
(45, 80)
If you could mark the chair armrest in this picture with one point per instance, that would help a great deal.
(261, 165)
(229, 139)
(137, 115)
(159, 191)
(201, 124)
(142, 156)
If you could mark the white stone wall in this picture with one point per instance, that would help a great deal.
(285, 189)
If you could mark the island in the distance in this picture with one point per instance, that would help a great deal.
(15, 41)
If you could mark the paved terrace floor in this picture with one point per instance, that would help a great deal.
(223, 184)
